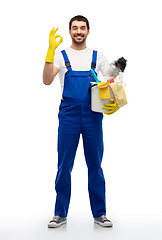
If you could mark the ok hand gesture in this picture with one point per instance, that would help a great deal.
(53, 43)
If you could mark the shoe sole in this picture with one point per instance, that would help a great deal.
(56, 225)
(107, 224)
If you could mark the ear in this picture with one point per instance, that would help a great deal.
(88, 32)
(70, 32)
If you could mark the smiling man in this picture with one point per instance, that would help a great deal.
(76, 118)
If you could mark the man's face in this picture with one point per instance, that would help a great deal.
(79, 32)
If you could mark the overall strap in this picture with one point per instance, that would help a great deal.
(66, 59)
(94, 60)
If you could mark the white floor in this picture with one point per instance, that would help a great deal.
(79, 227)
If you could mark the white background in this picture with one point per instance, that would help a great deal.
(28, 121)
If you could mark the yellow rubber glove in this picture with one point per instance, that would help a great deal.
(53, 44)
(112, 107)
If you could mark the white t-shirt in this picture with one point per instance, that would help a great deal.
(81, 60)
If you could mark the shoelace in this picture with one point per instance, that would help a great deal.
(56, 218)
(104, 218)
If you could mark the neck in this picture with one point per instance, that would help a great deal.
(81, 46)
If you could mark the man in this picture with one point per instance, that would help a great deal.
(75, 118)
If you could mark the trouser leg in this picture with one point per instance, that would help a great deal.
(93, 150)
(68, 138)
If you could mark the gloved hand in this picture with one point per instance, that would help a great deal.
(112, 107)
(53, 44)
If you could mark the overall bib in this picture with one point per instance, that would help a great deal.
(75, 118)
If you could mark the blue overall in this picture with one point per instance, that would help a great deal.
(75, 118)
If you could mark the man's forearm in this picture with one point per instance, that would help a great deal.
(48, 73)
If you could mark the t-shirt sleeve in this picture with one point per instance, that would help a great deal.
(57, 60)
(60, 64)
(104, 66)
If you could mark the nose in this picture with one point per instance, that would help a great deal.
(79, 30)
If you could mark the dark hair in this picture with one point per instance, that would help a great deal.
(79, 18)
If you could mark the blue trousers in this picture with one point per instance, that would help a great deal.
(74, 120)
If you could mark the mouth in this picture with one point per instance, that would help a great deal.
(79, 37)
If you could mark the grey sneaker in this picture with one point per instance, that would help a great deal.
(57, 221)
(103, 221)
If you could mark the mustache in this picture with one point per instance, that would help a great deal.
(79, 34)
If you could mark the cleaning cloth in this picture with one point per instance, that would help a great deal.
(104, 91)
(119, 93)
